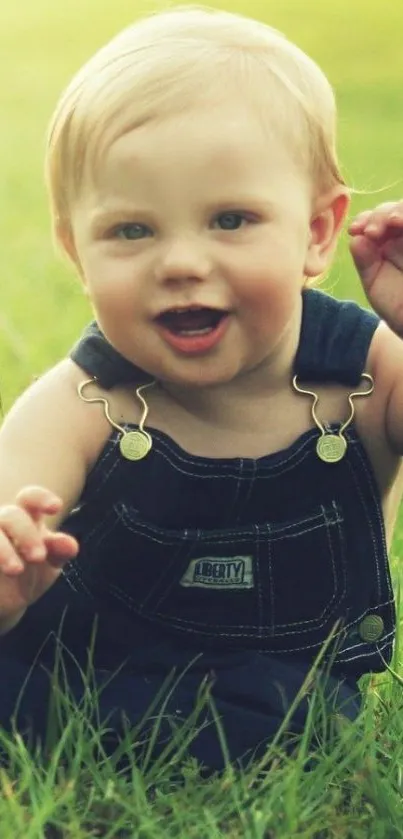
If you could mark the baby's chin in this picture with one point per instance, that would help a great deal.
(198, 379)
(190, 372)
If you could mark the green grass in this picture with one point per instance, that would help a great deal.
(349, 787)
(355, 785)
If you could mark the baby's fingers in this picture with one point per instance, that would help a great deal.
(10, 561)
(357, 225)
(38, 501)
(19, 540)
(21, 544)
(385, 221)
(61, 548)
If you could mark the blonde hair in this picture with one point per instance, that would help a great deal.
(170, 61)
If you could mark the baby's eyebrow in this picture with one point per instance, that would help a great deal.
(242, 202)
(115, 212)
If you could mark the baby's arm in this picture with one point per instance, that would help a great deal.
(377, 249)
(48, 443)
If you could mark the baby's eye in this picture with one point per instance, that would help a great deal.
(131, 231)
(231, 221)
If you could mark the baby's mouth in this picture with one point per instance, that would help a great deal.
(192, 321)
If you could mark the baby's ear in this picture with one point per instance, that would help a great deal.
(325, 226)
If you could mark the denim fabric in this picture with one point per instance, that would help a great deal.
(251, 696)
(246, 565)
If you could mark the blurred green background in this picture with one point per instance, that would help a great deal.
(358, 43)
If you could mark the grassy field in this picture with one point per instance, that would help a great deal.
(354, 790)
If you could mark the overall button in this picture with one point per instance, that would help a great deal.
(371, 628)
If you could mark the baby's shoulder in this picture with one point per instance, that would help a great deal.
(385, 363)
(50, 410)
(379, 419)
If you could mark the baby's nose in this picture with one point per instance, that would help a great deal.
(182, 260)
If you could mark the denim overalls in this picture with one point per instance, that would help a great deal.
(236, 568)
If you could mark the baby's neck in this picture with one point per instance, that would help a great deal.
(230, 403)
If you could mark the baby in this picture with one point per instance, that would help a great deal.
(210, 480)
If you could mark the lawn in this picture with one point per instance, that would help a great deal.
(354, 789)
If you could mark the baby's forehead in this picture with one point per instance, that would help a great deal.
(225, 123)
(224, 132)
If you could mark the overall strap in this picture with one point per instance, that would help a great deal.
(334, 340)
(98, 358)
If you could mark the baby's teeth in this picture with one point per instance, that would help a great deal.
(196, 331)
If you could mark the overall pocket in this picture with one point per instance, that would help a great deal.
(267, 581)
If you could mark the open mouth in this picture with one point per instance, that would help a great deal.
(194, 330)
(193, 321)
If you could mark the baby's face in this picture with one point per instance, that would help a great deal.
(192, 240)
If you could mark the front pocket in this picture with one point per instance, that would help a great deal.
(266, 581)
(308, 570)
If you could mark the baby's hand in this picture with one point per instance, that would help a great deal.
(31, 555)
(377, 249)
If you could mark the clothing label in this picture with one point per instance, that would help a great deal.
(220, 572)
